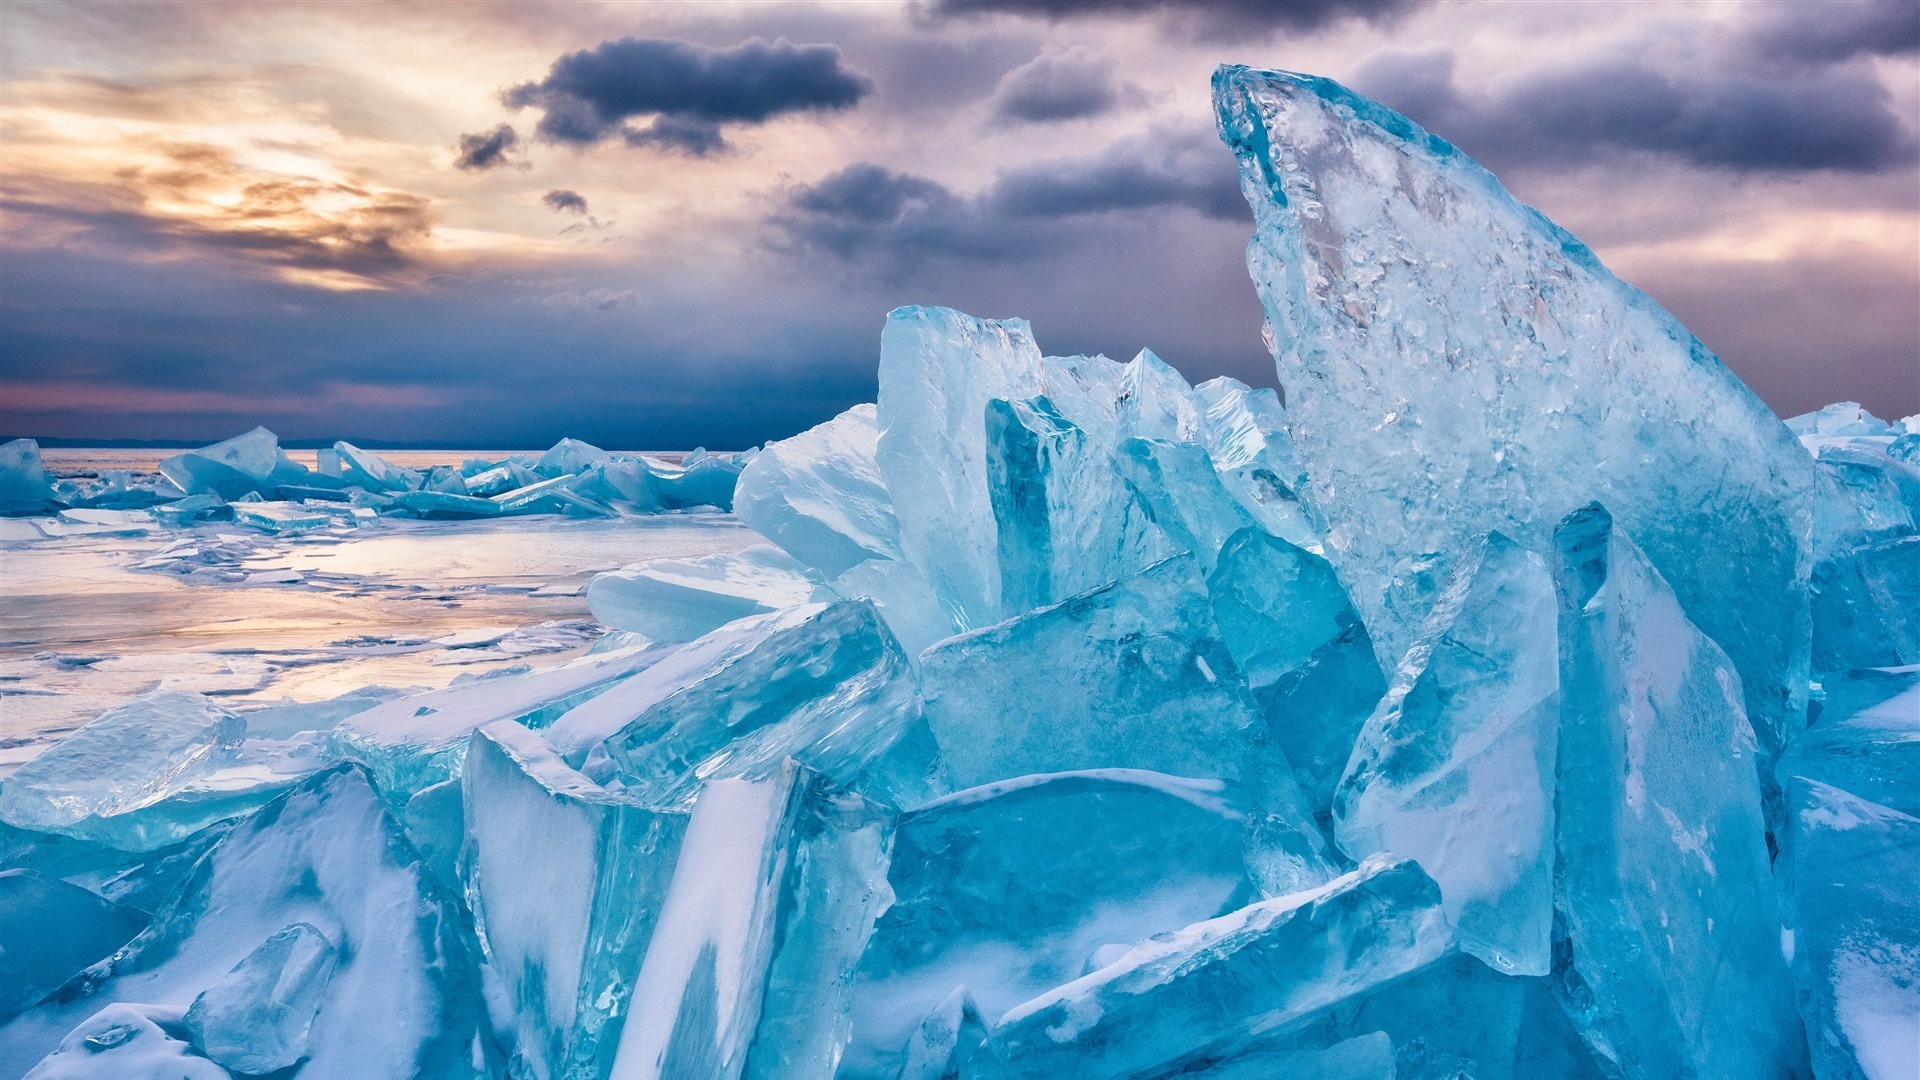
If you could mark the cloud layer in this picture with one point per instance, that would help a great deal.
(667, 225)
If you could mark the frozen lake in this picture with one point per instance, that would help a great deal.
(88, 621)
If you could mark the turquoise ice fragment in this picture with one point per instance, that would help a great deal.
(713, 995)
(281, 517)
(25, 487)
(1457, 364)
(373, 472)
(1131, 675)
(96, 783)
(403, 1000)
(1854, 936)
(565, 881)
(229, 469)
(415, 742)
(49, 932)
(1063, 519)
(258, 1018)
(938, 370)
(569, 456)
(679, 599)
(1277, 605)
(1204, 990)
(1245, 432)
(127, 1042)
(1007, 889)
(1455, 768)
(1663, 884)
(1866, 739)
(945, 1041)
(1866, 574)
(825, 684)
(820, 496)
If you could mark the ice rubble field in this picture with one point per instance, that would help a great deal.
(1524, 701)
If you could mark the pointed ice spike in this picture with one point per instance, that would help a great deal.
(258, 1018)
(820, 496)
(565, 880)
(1457, 364)
(1212, 986)
(1854, 932)
(825, 684)
(1455, 768)
(726, 990)
(1663, 882)
(1131, 675)
(938, 370)
(1008, 887)
(679, 599)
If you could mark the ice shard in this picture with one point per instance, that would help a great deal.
(823, 683)
(1866, 740)
(258, 1018)
(1183, 495)
(716, 994)
(1277, 605)
(820, 496)
(1064, 521)
(679, 599)
(415, 742)
(24, 485)
(1008, 888)
(1456, 767)
(229, 469)
(938, 370)
(1363, 1057)
(1131, 675)
(49, 932)
(565, 880)
(1854, 936)
(108, 781)
(945, 1042)
(127, 1042)
(402, 1001)
(1213, 986)
(1456, 364)
(373, 472)
(1663, 882)
(1866, 574)
(1245, 432)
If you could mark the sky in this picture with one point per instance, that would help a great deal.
(655, 226)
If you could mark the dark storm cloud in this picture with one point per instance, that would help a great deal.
(688, 90)
(560, 200)
(1836, 29)
(1059, 84)
(867, 210)
(1714, 115)
(1212, 20)
(486, 149)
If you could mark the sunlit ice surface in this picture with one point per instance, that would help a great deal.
(307, 616)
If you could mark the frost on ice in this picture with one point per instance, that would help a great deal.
(1520, 701)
